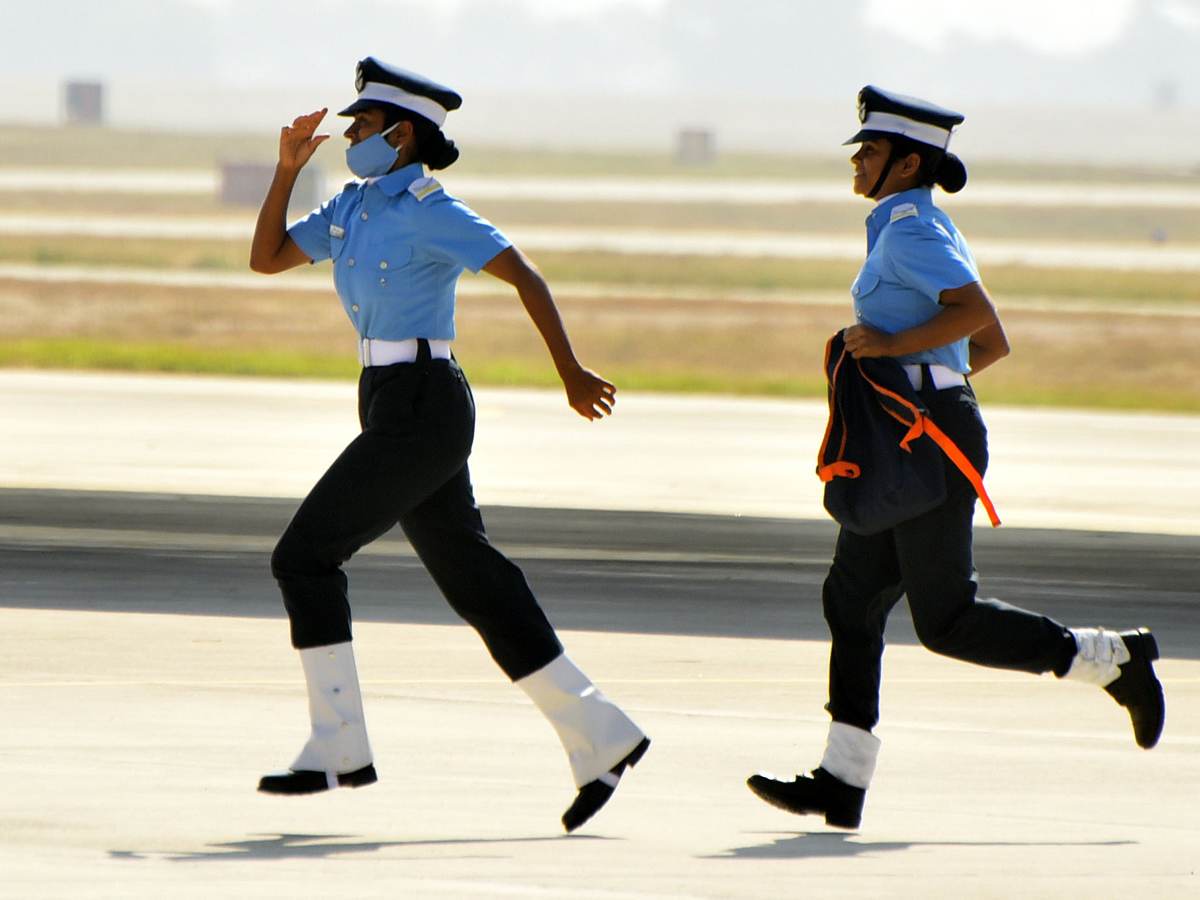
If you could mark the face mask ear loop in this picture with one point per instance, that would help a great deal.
(383, 134)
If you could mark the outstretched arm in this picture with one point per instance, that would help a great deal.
(587, 393)
(272, 250)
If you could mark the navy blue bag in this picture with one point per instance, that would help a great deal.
(877, 473)
(882, 456)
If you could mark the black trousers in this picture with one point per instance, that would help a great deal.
(409, 465)
(929, 558)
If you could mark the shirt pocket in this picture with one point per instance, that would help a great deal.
(867, 281)
(390, 261)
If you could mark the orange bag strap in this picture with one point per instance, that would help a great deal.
(959, 459)
(922, 424)
(839, 468)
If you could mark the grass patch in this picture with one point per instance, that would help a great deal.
(762, 274)
(1107, 397)
(699, 271)
(140, 253)
(1138, 225)
(175, 358)
(1092, 284)
(83, 353)
(1097, 360)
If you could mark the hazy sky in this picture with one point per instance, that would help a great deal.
(1056, 27)
(772, 73)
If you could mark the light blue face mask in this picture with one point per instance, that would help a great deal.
(372, 156)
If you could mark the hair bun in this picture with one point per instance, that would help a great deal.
(951, 174)
(438, 152)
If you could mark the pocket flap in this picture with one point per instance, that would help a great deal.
(866, 282)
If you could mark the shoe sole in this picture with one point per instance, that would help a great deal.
(760, 787)
(636, 754)
(300, 784)
(1147, 647)
(595, 794)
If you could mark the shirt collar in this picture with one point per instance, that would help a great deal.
(396, 183)
(921, 196)
(881, 214)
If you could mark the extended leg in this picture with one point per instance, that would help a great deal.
(491, 594)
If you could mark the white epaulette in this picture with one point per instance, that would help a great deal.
(423, 187)
(903, 210)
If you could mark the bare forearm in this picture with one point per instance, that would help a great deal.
(270, 231)
(511, 266)
(966, 311)
(587, 393)
(988, 345)
(952, 323)
(539, 304)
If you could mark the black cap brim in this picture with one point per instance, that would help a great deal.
(359, 105)
(869, 134)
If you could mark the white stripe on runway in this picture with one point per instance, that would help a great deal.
(748, 191)
(745, 244)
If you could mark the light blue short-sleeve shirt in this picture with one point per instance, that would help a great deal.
(914, 252)
(398, 244)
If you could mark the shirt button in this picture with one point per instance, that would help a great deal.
(383, 265)
(383, 281)
(364, 215)
(350, 262)
(355, 307)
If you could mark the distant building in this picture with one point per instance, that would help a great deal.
(246, 183)
(697, 146)
(84, 103)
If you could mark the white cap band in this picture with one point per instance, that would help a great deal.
(918, 131)
(386, 93)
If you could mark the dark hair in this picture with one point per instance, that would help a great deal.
(432, 147)
(938, 166)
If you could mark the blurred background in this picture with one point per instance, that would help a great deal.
(674, 166)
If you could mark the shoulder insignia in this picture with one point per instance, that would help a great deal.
(903, 211)
(423, 187)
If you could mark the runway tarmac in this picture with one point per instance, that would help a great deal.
(146, 680)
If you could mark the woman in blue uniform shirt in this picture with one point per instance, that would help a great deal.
(398, 244)
(918, 299)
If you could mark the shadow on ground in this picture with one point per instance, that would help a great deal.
(592, 570)
(828, 845)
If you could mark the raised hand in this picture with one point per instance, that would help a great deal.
(298, 141)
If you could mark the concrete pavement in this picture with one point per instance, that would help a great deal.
(146, 680)
(728, 456)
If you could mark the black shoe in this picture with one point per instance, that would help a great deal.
(1138, 688)
(307, 781)
(817, 794)
(595, 794)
